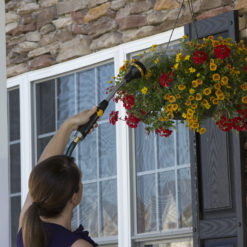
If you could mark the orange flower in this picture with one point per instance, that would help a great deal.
(244, 99)
(217, 86)
(178, 96)
(215, 101)
(194, 83)
(199, 81)
(216, 77)
(202, 131)
(181, 87)
(191, 97)
(213, 67)
(207, 91)
(215, 43)
(224, 80)
(198, 96)
(194, 106)
(167, 96)
(244, 86)
(174, 107)
(172, 99)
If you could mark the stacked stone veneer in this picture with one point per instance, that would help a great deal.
(45, 32)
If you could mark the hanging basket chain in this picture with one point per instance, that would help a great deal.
(193, 17)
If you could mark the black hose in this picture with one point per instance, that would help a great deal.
(71, 148)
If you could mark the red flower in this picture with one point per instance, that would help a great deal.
(166, 79)
(115, 100)
(128, 101)
(163, 132)
(132, 121)
(245, 68)
(199, 57)
(222, 51)
(113, 117)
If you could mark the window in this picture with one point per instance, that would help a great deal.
(56, 100)
(14, 161)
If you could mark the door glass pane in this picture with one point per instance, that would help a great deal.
(184, 198)
(167, 200)
(144, 149)
(15, 210)
(65, 98)
(14, 115)
(146, 203)
(15, 169)
(41, 143)
(45, 107)
(107, 153)
(109, 208)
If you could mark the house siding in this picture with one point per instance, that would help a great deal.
(46, 32)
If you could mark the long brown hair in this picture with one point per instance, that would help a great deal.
(51, 184)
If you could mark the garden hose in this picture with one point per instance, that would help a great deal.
(137, 69)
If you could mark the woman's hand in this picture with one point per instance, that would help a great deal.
(81, 118)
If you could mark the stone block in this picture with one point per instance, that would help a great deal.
(16, 70)
(93, 3)
(11, 5)
(107, 40)
(71, 5)
(78, 16)
(213, 12)
(47, 29)
(166, 4)
(25, 46)
(80, 29)
(242, 20)
(26, 19)
(46, 16)
(97, 12)
(16, 40)
(10, 27)
(77, 47)
(138, 33)
(62, 22)
(123, 12)
(117, 4)
(63, 35)
(201, 5)
(157, 17)
(33, 36)
(41, 62)
(52, 49)
(11, 17)
(18, 58)
(24, 29)
(140, 7)
(27, 8)
(47, 39)
(103, 25)
(243, 34)
(47, 3)
(132, 21)
(241, 5)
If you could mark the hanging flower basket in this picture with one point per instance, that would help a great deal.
(203, 79)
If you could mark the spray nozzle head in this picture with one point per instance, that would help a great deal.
(137, 69)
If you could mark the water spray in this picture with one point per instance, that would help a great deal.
(137, 69)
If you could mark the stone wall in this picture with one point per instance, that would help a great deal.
(45, 32)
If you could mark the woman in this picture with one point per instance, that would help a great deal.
(55, 188)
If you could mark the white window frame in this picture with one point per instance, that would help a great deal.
(118, 55)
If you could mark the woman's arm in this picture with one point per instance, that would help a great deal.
(57, 145)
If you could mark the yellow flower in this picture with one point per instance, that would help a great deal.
(198, 96)
(244, 99)
(194, 83)
(195, 125)
(187, 57)
(199, 81)
(152, 48)
(156, 60)
(179, 57)
(202, 131)
(174, 107)
(221, 97)
(100, 113)
(216, 77)
(217, 86)
(184, 115)
(181, 87)
(215, 43)
(211, 37)
(110, 81)
(207, 91)
(213, 66)
(172, 99)
(184, 37)
(212, 60)
(224, 80)
(169, 108)
(140, 55)
(244, 86)
(192, 90)
(194, 106)
(198, 74)
(167, 96)
(218, 93)
(191, 97)
(176, 66)
(192, 70)
(144, 90)
(178, 96)
(148, 74)
(187, 103)
(215, 101)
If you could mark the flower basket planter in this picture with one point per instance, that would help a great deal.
(207, 79)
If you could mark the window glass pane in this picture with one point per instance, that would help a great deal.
(144, 149)
(89, 208)
(45, 107)
(168, 243)
(167, 200)
(105, 73)
(183, 144)
(107, 150)
(41, 143)
(15, 204)
(166, 151)
(65, 98)
(86, 89)
(109, 208)
(15, 169)
(146, 203)
(14, 115)
(88, 157)
(184, 197)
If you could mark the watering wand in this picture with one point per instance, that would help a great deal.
(137, 69)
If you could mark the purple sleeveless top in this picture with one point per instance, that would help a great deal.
(59, 236)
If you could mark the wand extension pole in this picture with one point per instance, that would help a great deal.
(137, 69)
